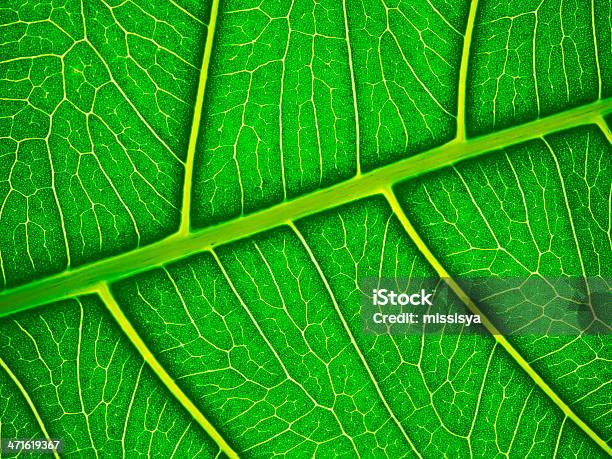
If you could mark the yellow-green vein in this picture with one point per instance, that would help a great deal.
(501, 339)
(353, 88)
(123, 322)
(84, 278)
(596, 48)
(463, 70)
(28, 400)
(605, 128)
(197, 117)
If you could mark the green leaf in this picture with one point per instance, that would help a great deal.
(90, 387)
(193, 192)
(504, 216)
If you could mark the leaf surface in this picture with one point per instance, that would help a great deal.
(194, 192)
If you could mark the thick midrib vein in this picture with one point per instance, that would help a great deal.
(196, 121)
(125, 325)
(499, 338)
(84, 278)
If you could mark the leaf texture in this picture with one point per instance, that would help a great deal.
(193, 192)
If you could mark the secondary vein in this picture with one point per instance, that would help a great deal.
(196, 121)
(497, 335)
(28, 400)
(84, 278)
(462, 87)
(125, 325)
(353, 88)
